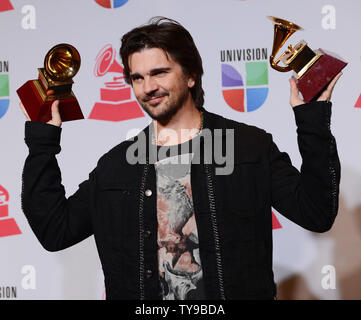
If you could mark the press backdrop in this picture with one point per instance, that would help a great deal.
(234, 38)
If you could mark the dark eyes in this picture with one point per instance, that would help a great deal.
(160, 72)
(135, 78)
(138, 77)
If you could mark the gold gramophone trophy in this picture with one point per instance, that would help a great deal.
(61, 64)
(314, 69)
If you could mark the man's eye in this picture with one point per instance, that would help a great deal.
(136, 79)
(160, 73)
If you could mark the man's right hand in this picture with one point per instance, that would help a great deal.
(56, 119)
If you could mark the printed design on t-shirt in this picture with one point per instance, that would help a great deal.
(180, 268)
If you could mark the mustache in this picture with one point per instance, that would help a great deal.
(155, 95)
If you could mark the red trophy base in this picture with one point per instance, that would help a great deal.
(320, 74)
(40, 110)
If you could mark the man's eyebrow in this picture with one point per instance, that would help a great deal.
(157, 70)
(152, 72)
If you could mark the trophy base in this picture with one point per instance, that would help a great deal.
(40, 110)
(319, 75)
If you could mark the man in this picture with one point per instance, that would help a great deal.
(170, 230)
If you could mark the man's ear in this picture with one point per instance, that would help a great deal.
(191, 82)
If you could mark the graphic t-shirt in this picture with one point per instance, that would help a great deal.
(180, 268)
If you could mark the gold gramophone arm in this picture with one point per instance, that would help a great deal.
(274, 64)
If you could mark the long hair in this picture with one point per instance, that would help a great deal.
(174, 39)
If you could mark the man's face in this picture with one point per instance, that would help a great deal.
(159, 83)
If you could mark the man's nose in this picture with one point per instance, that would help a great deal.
(150, 85)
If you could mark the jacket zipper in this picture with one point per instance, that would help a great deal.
(141, 233)
(332, 169)
(22, 191)
(212, 207)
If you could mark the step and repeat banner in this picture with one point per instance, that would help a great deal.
(235, 40)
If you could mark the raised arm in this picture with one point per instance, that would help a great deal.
(309, 198)
(56, 221)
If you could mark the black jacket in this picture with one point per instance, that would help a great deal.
(233, 212)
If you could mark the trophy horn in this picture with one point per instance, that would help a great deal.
(62, 62)
(283, 29)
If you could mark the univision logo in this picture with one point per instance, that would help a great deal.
(4, 87)
(245, 78)
(111, 4)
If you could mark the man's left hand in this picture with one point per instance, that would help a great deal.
(295, 99)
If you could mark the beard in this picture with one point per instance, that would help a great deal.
(169, 107)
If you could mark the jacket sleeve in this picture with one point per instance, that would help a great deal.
(57, 222)
(309, 197)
